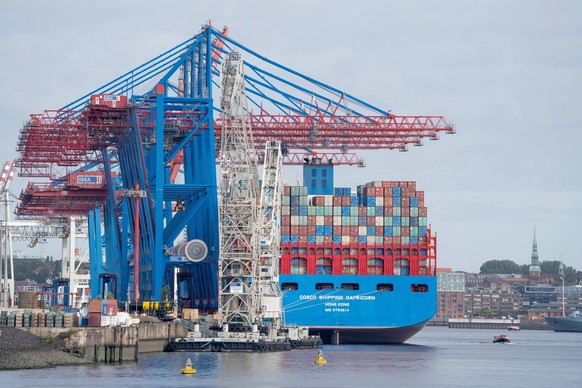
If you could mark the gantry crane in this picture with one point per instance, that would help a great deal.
(7, 261)
(145, 128)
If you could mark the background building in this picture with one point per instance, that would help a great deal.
(451, 294)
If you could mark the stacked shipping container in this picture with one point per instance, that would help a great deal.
(381, 229)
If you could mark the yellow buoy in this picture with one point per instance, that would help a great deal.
(188, 370)
(320, 360)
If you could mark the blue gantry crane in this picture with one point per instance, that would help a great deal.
(164, 113)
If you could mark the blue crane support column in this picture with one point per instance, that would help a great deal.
(158, 258)
(95, 243)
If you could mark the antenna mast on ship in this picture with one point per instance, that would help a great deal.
(562, 275)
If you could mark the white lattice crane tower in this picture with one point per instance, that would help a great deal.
(270, 234)
(238, 272)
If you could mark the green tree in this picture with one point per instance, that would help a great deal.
(165, 294)
(499, 266)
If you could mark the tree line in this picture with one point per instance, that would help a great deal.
(549, 268)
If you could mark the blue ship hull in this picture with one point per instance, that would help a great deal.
(382, 310)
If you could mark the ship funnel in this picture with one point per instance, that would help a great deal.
(193, 250)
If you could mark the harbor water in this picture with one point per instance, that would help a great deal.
(435, 357)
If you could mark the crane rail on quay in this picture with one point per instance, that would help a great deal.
(213, 243)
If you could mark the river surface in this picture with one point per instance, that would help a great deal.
(435, 357)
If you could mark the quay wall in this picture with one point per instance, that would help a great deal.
(116, 343)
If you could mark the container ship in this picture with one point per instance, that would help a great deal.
(357, 267)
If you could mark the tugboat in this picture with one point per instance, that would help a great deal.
(501, 339)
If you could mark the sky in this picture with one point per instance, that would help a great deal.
(507, 74)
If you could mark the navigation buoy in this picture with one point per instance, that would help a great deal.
(188, 370)
(320, 360)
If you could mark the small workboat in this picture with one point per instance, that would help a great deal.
(514, 328)
(501, 339)
(320, 360)
(188, 370)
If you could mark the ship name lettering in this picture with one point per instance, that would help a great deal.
(307, 297)
(332, 297)
(361, 297)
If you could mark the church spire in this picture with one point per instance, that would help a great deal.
(534, 268)
(534, 250)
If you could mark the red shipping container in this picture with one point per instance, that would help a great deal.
(311, 220)
(362, 211)
(287, 190)
(337, 201)
(95, 306)
(422, 211)
(94, 319)
(328, 220)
